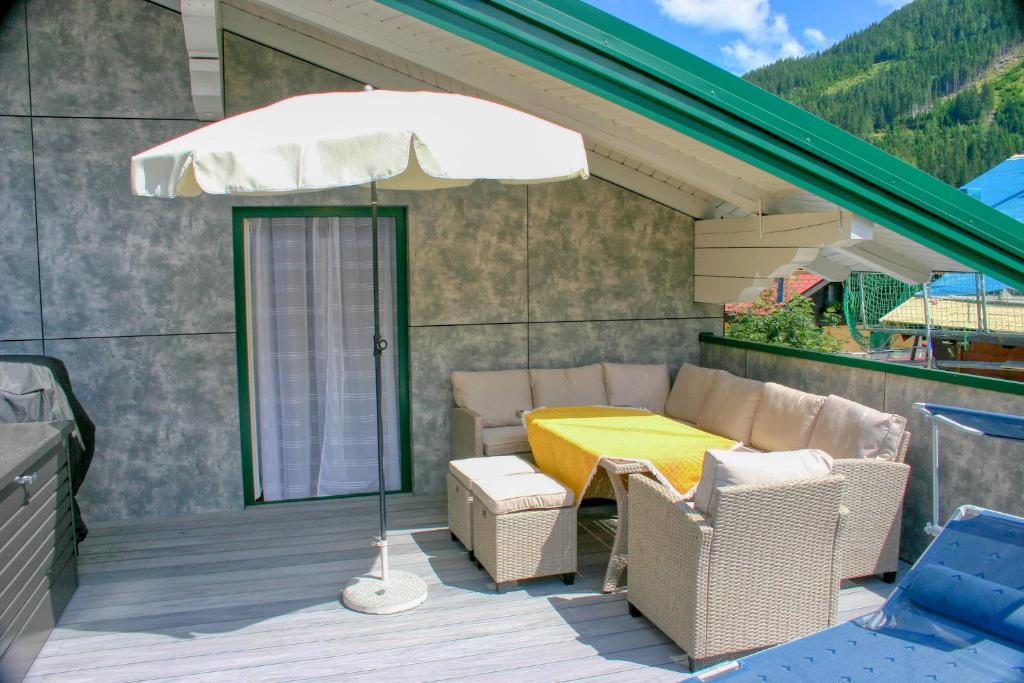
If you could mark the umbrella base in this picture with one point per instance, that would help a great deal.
(372, 595)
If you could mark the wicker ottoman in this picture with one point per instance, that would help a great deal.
(524, 526)
(461, 475)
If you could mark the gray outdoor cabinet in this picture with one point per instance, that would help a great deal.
(37, 543)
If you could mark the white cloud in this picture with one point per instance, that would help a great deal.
(815, 36)
(764, 33)
(741, 16)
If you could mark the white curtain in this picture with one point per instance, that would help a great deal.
(311, 312)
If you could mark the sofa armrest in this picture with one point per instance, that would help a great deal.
(874, 497)
(903, 447)
(669, 555)
(466, 428)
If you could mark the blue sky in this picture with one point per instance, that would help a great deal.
(743, 34)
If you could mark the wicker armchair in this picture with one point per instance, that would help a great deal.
(873, 498)
(762, 569)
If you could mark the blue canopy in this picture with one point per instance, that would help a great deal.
(1001, 187)
(964, 284)
(1000, 425)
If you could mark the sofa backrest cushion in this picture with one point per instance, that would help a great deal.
(735, 468)
(689, 391)
(637, 386)
(785, 418)
(847, 429)
(730, 407)
(498, 395)
(569, 387)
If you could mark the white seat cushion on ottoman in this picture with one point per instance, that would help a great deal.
(506, 494)
(461, 475)
(505, 440)
(468, 470)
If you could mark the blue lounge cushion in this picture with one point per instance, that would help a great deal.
(983, 604)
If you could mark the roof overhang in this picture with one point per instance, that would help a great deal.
(656, 119)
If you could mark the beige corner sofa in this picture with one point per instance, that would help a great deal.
(868, 446)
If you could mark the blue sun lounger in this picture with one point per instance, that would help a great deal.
(957, 616)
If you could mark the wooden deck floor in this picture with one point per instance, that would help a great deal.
(253, 595)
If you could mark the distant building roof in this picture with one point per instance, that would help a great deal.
(1001, 187)
(801, 282)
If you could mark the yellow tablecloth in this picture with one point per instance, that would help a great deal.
(567, 444)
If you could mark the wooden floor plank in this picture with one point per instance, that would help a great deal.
(253, 595)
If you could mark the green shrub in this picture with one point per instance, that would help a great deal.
(790, 324)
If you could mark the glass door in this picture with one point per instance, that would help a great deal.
(310, 396)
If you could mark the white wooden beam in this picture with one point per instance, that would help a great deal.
(330, 57)
(751, 262)
(874, 257)
(786, 230)
(727, 290)
(202, 23)
(353, 24)
(828, 269)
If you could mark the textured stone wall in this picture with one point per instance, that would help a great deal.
(976, 471)
(136, 295)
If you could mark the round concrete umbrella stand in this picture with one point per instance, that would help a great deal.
(371, 595)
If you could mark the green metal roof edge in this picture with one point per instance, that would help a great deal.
(1005, 386)
(582, 45)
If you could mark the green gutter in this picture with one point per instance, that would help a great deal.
(614, 60)
(1004, 386)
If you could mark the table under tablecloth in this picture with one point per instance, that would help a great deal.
(568, 444)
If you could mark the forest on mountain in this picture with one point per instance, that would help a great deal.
(938, 83)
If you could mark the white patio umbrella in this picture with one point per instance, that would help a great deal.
(392, 140)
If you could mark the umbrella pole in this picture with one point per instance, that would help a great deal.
(379, 346)
(394, 591)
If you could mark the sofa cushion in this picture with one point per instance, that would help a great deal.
(517, 492)
(785, 418)
(468, 470)
(847, 429)
(569, 387)
(639, 386)
(505, 440)
(689, 391)
(498, 396)
(735, 468)
(730, 407)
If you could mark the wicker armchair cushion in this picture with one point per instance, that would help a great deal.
(505, 440)
(469, 470)
(689, 391)
(846, 429)
(517, 492)
(733, 468)
(785, 418)
(729, 408)
(644, 386)
(569, 386)
(498, 396)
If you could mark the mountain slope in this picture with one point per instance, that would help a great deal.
(939, 83)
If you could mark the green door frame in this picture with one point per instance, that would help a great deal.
(239, 214)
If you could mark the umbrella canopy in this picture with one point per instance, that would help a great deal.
(402, 140)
